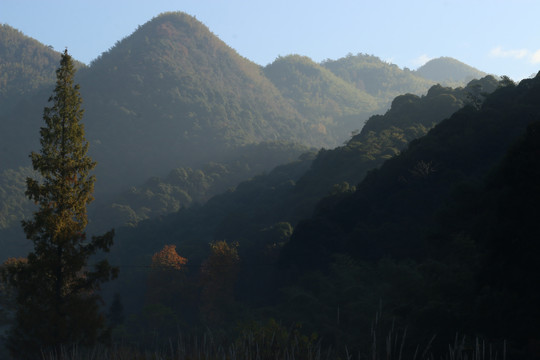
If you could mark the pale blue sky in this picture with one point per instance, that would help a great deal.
(497, 36)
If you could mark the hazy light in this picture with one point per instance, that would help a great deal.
(421, 60)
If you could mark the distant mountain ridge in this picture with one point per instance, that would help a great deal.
(450, 70)
(378, 78)
(173, 95)
(290, 194)
(332, 103)
(173, 91)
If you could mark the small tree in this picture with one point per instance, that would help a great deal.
(57, 303)
(167, 277)
(219, 273)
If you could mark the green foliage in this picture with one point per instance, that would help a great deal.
(173, 91)
(260, 213)
(56, 302)
(25, 64)
(461, 247)
(184, 187)
(14, 204)
(378, 78)
(27, 75)
(235, 215)
(319, 95)
(385, 136)
(325, 240)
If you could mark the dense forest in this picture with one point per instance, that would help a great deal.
(348, 208)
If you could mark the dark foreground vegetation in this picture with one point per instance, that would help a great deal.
(278, 343)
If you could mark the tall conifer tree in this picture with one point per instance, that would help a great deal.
(56, 291)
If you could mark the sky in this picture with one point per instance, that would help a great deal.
(500, 37)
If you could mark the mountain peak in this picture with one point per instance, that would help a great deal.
(171, 37)
(171, 87)
(174, 24)
(448, 70)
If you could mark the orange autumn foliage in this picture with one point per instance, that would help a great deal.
(167, 277)
(168, 259)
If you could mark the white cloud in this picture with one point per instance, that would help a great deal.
(518, 54)
(535, 58)
(421, 60)
(512, 53)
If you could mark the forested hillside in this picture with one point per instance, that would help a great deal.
(333, 104)
(173, 91)
(380, 79)
(261, 214)
(297, 201)
(184, 187)
(25, 64)
(173, 96)
(435, 241)
(27, 70)
(432, 228)
(384, 136)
